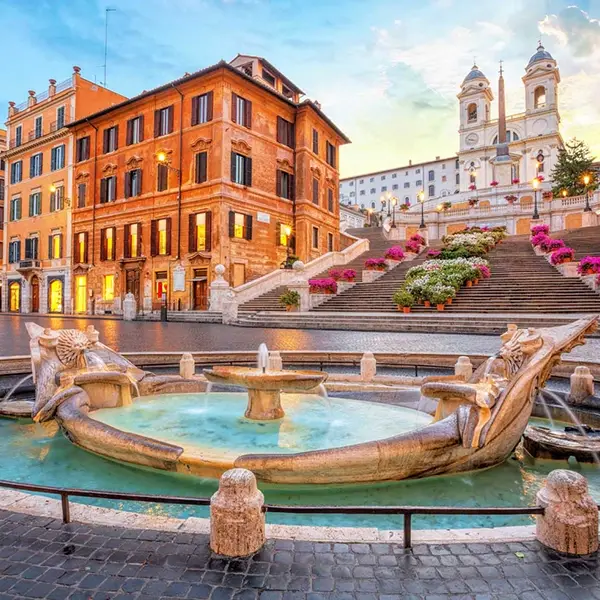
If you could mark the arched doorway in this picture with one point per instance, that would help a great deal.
(81, 294)
(35, 294)
(55, 296)
(14, 290)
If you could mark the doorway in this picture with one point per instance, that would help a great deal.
(35, 294)
(239, 274)
(132, 284)
(14, 290)
(55, 296)
(81, 294)
(200, 289)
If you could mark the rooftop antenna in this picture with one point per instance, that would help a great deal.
(106, 11)
(501, 70)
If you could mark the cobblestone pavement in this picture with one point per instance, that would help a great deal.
(42, 558)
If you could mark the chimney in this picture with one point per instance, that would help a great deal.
(12, 111)
(76, 71)
(317, 104)
(52, 87)
(409, 162)
(31, 101)
(437, 158)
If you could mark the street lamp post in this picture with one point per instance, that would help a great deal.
(586, 181)
(393, 202)
(535, 183)
(421, 198)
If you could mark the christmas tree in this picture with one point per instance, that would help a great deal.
(574, 162)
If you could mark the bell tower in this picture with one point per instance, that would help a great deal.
(475, 98)
(541, 81)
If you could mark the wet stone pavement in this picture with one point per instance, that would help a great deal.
(42, 558)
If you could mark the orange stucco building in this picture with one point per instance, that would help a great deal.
(37, 246)
(218, 166)
(2, 193)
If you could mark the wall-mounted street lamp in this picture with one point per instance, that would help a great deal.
(421, 198)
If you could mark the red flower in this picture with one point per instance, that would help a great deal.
(493, 183)
(516, 180)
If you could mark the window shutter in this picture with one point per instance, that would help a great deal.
(234, 98)
(75, 249)
(60, 246)
(127, 243)
(156, 123)
(114, 178)
(129, 135)
(170, 113)
(233, 164)
(201, 167)
(105, 141)
(292, 140)
(19, 209)
(140, 182)
(209, 106)
(278, 234)
(248, 107)
(128, 184)
(153, 236)
(139, 239)
(31, 205)
(195, 104)
(208, 223)
(28, 253)
(279, 131)
(291, 188)
(278, 183)
(49, 246)
(103, 191)
(31, 167)
(141, 118)
(192, 238)
(103, 244)
(248, 173)
(248, 219)
(231, 224)
(85, 247)
(169, 236)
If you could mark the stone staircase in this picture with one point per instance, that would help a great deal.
(585, 241)
(377, 248)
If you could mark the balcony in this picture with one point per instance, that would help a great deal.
(29, 264)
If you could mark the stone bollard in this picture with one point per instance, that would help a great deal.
(368, 366)
(275, 361)
(582, 385)
(187, 366)
(570, 521)
(129, 307)
(463, 368)
(237, 522)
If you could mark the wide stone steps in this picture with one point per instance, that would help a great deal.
(585, 241)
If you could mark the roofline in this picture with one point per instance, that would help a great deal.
(272, 67)
(212, 68)
(421, 164)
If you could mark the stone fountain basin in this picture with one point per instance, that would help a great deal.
(254, 378)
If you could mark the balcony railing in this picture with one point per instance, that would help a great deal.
(29, 263)
(60, 87)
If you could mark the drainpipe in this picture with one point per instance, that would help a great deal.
(180, 172)
(94, 192)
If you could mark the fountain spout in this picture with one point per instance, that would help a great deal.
(263, 357)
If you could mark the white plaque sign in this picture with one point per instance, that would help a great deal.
(263, 217)
(179, 279)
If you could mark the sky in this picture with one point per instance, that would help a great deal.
(386, 71)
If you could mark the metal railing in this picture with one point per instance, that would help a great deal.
(407, 511)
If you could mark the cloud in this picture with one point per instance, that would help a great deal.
(574, 28)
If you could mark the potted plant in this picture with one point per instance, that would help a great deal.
(511, 198)
(416, 237)
(412, 246)
(543, 228)
(404, 207)
(348, 275)
(550, 245)
(515, 181)
(439, 294)
(404, 300)
(327, 285)
(335, 274)
(395, 253)
(375, 264)
(472, 187)
(548, 196)
(446, 205)
(473, 202)
(589, 265)
(288, 263)
(494, 183)
(290, 299)
(562, 255)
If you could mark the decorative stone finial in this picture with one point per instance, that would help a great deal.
(52, 81)
(11, 103)
(368, 366)
(220, 270)
(187, 366)
(31, 92)
(275, 361)
(298, 265)
(76, 69)
(237, 522)
(570, 520)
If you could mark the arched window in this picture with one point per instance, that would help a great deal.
(431, 191)
(372, 204)
(472, 112)
(55, 296)
(15, 296)
(511, 136)
(457, 178)
(539, 97)
(406, 200)
(487, 112)
(431, 175)
(540, 162)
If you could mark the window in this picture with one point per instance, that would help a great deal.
(444, 179)
(163, 121)
(384, 188)
(135, 130)
(330, 200)
(32, 246)
(382, 177)
(456, 164)
(14, 251)
(15, 209)
(315, 238)
(372, 190)
(431, 175)
(330, 155)
(511, 136)
(38, 130)
(285, 185)
(201, 160)
(35, 204)
(444, 167)
(57, 158)
(395, 186)
(539, 97)
(133, 241)
(202, 108)
(406, 174)
(241, 169)
(57, 198)
(18, 135)
(82, 151)
(431, 191)
(352, 194)
(316, 142)
(285, 132)
(362, 192)
(200, 229)
(268, 78)
(1, 189)
(540, 162)
(287, 92)
(55, 246)
(315, 191)
(361, 181)
(372, 204)
(133, 183)
(514, 171)
(240, 226)
(108, 189)
(472, 113)
(108, 243)
(160, 237)
(162, 178)
(35, 165)
(81, 194)
(417, 171)
(330, 242)
(111, 139)
(394, 175)
(60, 117)
(241, 111)
(81, 248)
(419, 183)
(108, 288)
(407, 184)
(284, 234)
(457, 178)
(161, 284)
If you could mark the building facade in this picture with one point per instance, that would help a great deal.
(36, 274)
(351, 217)
(223, 166)
(2, 194)
(533, 139)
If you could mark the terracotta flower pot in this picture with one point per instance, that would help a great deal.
(427, 303)
(449, 301)
(441, 307)
(405, 309)
(291, 308)
(469, 283)
(475, 281)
